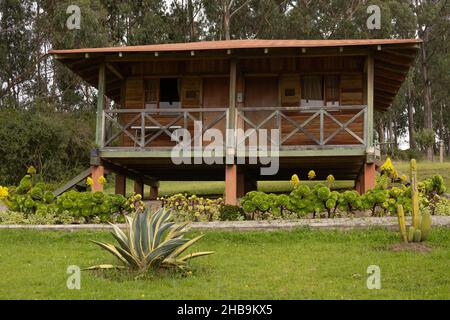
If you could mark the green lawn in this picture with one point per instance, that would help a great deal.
(426, 169)
(300, 264)
(217, 188)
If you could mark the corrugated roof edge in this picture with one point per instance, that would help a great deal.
(239, 44)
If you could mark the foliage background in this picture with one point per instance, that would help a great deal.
(46, 112)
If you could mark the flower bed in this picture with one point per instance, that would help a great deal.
(32, 202)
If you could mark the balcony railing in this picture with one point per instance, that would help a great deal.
(343, 125)
(146, 128)
(298, 126)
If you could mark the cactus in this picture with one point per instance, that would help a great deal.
(411, 231)
(401, 222)
(421, 224)
(425, 225)
(414, 195)
(417, 235)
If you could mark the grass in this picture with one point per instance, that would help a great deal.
(299, 264)
(426, 169)
(217, 188)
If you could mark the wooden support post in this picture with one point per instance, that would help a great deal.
(96, 173)
(370, 106)
(358, 185)
(231, 184)
(231, 125)
(366, 179)
(232, 98)
(100, 127)
(121, 184)
(139, 188)
(245, 183)
(154, 192)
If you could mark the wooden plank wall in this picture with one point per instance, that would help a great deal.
(211, 76)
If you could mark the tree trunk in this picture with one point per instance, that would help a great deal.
(412, 139)
(191, 23)
(226, 23)
(427, 93)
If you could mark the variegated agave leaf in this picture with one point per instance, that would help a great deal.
(151, 241)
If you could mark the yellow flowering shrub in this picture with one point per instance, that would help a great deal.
(89, 182)
(31, 170)
(295, 181)
(101, 180)
(388, 166)
(404, 178)
(4, 193)
(330, 180)
(311, 174)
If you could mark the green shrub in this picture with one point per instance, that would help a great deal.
(193, 208)
(37, 203)
(231, 213)
(383, 199)
(56, 143)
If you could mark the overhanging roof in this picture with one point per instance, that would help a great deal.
(392, 57)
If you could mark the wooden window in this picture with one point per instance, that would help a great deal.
(151, 93)
(191, 92)
(290, 91)
(320, 90)
(332, 90)
(169, 96)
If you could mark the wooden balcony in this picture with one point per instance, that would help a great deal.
(328, 130)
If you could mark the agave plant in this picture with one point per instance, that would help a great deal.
(151, 241)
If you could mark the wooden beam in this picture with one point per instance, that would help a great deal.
(130, 173)
(383, 99)
(381, 93)
(391, 59)
(390, 75)
(408, 55)
(370, 102)
(114, 70)
(386, 90)
(99, 133)
(77, 179)
(387, 86)
(394, 69)
(386, 81)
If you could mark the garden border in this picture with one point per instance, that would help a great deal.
(337, 223)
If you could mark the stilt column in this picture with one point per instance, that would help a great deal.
(231, 184)
(139, 188)
(121, 184)
(366, 179)
(96, 173)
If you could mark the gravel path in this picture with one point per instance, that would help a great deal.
(338, 223)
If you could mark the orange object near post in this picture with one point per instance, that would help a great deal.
(231, 184)
(366, 179)
(96, 173)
